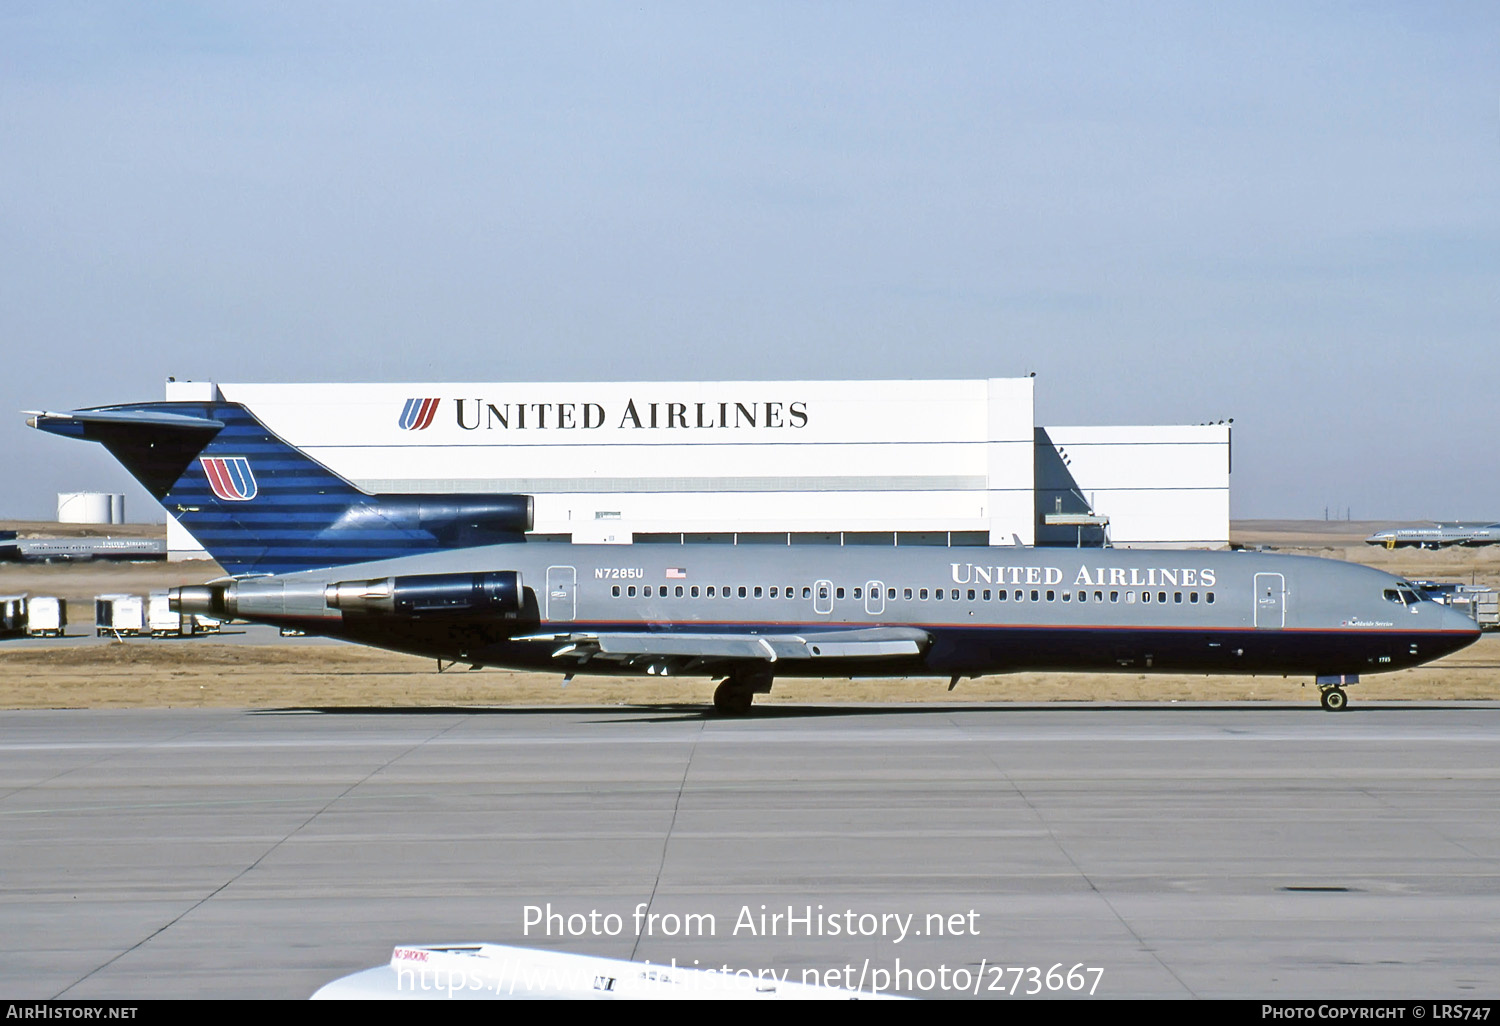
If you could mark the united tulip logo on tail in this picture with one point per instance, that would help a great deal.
(418, 413)
(229, 477)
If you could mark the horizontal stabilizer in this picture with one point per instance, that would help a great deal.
(76, 424)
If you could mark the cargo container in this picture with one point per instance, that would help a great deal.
(12, 615)
(1487, 609)
(163, 621)
(119, 616)
(47, 616)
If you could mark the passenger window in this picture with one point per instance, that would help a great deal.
(859, 593)
(615, 591)
(1001, 595)
(1129, 597)
(1161, 596)
(1019, 594)
(906, 594)
(986, 594)
(1114, 596)
(757, 591)
(1098, 596)
(1177, 597)
(1210, 598)
(890, 593)
(839, 593)
(773, 592)
(971, 594)
(663, 592)
(1050, 595)
(1067, 596)
(1035, 595)
(695, 591)
(1145, 596)
(954, 595)
(924, 594)
(679, 591)
(630, 591)
(1192, 596)
(938, 594)
(806, 592)
(1083, 596)
(742, 591)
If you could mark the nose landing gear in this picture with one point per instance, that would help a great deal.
(1334, 699)
(1332, 691)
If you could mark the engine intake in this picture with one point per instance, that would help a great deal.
(455, 521)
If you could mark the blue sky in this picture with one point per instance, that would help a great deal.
(1172, 213)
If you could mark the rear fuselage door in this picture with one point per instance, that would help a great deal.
(1270, 600)
(562, 586)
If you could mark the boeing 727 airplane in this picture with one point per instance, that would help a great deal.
(452, 578)
(1438, 536)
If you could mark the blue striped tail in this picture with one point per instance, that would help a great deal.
(262, 506)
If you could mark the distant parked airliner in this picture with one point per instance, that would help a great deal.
(1437, 536)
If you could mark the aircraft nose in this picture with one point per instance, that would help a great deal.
(1460, 624)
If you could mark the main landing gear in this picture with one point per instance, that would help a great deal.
(735, 694)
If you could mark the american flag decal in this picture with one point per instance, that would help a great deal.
(417, 414)
(229, 477)
(676, 574)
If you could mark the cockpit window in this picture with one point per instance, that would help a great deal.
(1402, 595)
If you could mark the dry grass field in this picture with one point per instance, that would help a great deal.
(203, 672)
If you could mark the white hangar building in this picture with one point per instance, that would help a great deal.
(858, 462)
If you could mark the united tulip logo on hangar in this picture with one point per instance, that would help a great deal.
(477, 414)
(418, 413)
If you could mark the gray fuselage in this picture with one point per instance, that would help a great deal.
(982, 609)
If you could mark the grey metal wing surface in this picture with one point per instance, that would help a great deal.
(695, 651)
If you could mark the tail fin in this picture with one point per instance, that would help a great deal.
(262, 506)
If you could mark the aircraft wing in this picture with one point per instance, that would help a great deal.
(697, 649)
